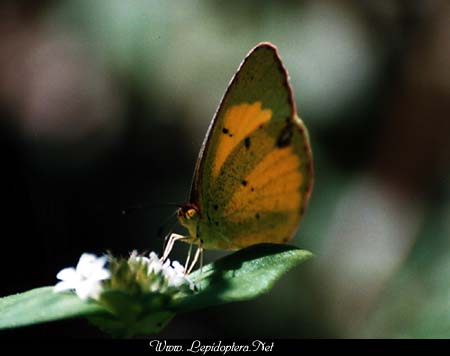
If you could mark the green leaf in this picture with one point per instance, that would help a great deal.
(243, 275)
(41, 305)
(240, 276)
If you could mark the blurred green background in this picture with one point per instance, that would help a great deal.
(104, 105)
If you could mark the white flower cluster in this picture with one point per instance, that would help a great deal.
(86, 279)
(173, 272)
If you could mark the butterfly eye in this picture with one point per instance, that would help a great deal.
(190, 213)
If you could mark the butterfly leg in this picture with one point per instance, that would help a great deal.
(170, 242)
(198, 253)
(201, 270)
(186, 264)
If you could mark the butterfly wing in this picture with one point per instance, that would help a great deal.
(254, 174)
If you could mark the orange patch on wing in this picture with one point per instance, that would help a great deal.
(277, 234)
(272, 186)
(239, 122)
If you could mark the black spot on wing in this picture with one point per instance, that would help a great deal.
(225, 131)
(247, 142)
(285, 137)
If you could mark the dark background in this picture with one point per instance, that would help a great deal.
(104, 105)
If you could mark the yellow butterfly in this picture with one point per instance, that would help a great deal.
(254, 173)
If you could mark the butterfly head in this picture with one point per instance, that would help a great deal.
(188, 216)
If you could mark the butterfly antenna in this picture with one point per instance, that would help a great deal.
(149, 206)
(168, 222)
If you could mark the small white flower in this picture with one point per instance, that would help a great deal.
(135, 259)
(175, 274)
(86, 278)
(181, 276)
(155, 264)
(178, 267)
